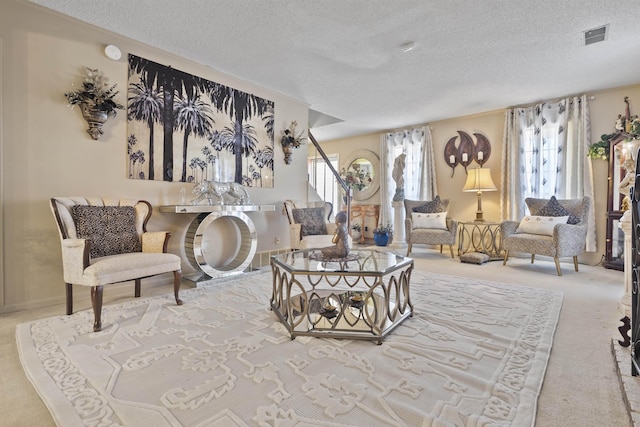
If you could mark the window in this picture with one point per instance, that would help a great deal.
(321, 178)
(540, 164)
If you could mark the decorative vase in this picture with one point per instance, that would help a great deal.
(95, 118)
(381, 239)
(356, 235)
(288, 151)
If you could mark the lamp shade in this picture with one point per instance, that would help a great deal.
(479, 179)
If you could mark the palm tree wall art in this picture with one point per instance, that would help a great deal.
(220, 133)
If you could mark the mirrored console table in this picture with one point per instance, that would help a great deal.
(221, 239)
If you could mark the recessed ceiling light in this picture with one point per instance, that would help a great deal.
(407, 47)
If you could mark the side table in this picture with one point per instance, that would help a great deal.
(484, 237)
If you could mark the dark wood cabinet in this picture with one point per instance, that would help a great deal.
(615, 203)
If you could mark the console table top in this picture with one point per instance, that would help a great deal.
(180, 209)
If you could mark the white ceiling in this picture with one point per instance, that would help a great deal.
(343, 57)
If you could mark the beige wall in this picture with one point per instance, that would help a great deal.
(46, 151)
(604, 108)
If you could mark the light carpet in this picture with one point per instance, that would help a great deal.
(474, 353)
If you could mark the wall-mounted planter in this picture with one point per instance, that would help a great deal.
(96, 100)
(95, 118)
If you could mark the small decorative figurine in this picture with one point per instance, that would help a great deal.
(340, 249)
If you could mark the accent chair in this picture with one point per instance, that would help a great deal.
(555, 228)
(105, 241)
(427, 223)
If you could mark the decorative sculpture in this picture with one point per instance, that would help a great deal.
(398, 176)
(210, 189)
(340, 249)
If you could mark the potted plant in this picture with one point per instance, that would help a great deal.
(600, 149)
(291, 139)
(356, 231)
(381, 234)
(356, 178)
(96, 100)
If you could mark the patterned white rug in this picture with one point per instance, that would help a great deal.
(474, 353)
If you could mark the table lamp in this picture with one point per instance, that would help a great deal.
(479, 180)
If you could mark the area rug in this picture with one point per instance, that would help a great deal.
(473, 354)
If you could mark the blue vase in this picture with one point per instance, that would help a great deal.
(381, 239)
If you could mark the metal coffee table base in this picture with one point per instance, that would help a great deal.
(342, 304)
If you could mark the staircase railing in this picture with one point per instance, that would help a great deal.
(347, 190)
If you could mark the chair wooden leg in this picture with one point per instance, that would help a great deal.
(557, 266)
(506, 257)
(96, 302)
(451, 250)
(575, 262)
(441, 248)
(177, 281)
(533, 256)
(69, 298)
(137, 288)
(408, 249)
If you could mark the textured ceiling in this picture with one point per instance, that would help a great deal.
(343, 58)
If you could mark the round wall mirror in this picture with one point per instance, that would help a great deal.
(362, 173)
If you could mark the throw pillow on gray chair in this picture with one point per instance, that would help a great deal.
(555, 228)
(105, 241)
(426, 222)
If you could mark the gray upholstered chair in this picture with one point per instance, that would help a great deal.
(310, 224)
(429, 231)
(563, 240)
(105, 241)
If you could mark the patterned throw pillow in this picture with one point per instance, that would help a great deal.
(311, 219)
(110, 229)
(554, 208)
(435, 205)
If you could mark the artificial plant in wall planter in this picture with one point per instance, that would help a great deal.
(291, 139)
(96, 101)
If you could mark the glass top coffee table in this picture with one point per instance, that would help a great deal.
(363, 296)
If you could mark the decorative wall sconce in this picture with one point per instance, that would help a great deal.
(467, 151)
(96, 100)
(291, 140)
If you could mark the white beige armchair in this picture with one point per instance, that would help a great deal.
(105, 241)
(564, 235)
(310, 224)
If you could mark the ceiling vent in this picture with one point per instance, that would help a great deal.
(595, 35)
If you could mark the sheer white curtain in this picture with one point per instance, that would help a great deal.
(544, 154)
(419, 172)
